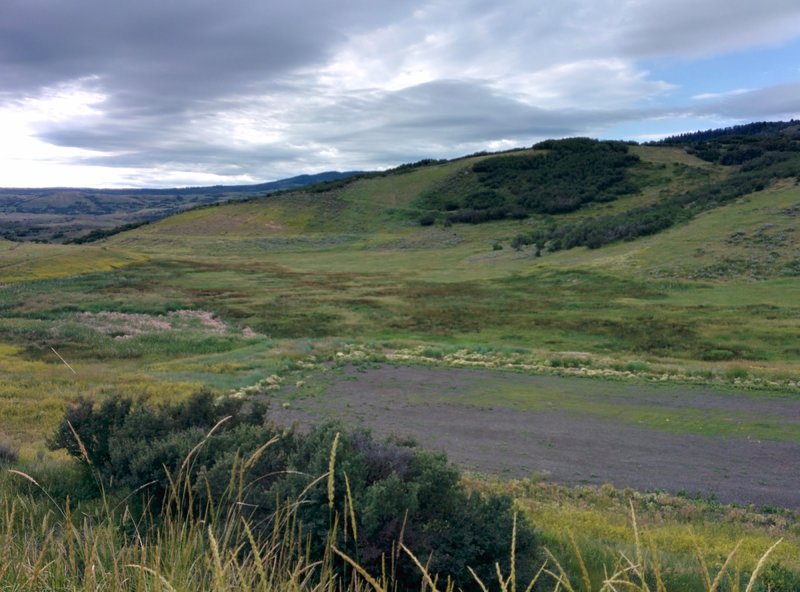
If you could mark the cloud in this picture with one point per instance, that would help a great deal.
(259, 90)
(602, 83)
(690, 28)
(346, 130)
(721, 95)
(163, 46)
(781, 101)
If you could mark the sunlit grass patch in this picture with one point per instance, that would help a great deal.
(599, 520)
(26, 262)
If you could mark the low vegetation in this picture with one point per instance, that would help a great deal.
(669, 263)
(384, 493)
(231, 503)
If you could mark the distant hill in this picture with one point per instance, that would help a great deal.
(758, 128)
(64, 214)
(557, 194)
(554, 196)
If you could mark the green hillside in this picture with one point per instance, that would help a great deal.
(647, 290)
(299, 273)
(80, 215)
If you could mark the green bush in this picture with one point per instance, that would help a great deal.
(637, 366)
(777, 578)
(571, 174)
(736, 372)
(394, 490)
(399, 489)
(717, 355)
(8, 454)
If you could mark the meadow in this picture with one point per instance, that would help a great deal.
(254, 298)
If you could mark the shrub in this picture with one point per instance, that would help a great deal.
(637, 366)
(132, 443)
(393, 489)
(737, 372)
(8, 454)
(484, 200)
(777, 578)
(717, 355)
(398, 489)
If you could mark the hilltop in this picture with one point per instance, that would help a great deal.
(553, 197)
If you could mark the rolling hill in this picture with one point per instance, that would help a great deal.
(708, 295)
(603, 314)
(66, 214)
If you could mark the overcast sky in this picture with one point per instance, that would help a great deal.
(179, 92)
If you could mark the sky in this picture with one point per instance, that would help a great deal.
(163, 93)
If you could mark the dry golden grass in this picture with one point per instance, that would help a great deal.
(48, 545)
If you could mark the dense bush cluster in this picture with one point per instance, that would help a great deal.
(396, 490)
(755, 151)
(763, 159)
(570, 174)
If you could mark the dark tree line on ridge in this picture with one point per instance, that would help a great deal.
(771, 152)
(567, 175)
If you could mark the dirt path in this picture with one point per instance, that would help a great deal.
(455, 410)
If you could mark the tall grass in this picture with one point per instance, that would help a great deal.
(47, 544)
(643, 571)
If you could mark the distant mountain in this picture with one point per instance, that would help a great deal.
(65, 214)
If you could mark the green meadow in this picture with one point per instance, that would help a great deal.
(295, 275)
(244, 297)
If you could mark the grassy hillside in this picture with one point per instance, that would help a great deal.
(260, 298)
(299, 272)
(63, 214)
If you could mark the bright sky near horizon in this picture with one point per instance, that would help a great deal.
(172, 93)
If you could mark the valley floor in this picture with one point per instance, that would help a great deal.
(736, 446)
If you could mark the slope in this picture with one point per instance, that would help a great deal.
(65, 214)
(244, 296)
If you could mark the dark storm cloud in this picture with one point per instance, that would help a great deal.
(163, 64)
(160, 61)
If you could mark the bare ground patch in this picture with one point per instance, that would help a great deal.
(122, 325)
(453, 410)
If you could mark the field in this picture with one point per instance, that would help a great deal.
(669, 362)
(294, 276)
